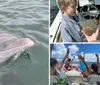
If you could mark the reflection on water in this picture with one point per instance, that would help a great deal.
(9, 77)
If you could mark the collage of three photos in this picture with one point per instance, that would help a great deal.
(74, 38)
(65, 53)
(24, 42)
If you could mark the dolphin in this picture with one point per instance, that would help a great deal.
(11, 45)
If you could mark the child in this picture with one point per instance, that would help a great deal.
(70, 28)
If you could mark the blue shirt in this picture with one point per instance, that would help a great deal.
(82, 66)
(70, 29)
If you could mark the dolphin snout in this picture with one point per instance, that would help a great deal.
(28, 42)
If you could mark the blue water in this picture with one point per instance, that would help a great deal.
(25, 18)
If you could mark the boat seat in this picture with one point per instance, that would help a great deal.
(74, 76)
(93, 79)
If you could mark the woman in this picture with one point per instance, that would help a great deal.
(68, 64)
(94, 67)
(54, 64)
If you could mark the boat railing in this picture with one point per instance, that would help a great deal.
(54, 31)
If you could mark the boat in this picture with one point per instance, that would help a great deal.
(74, 77)
(90, 17)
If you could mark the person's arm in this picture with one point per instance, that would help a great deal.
(84, 56)
(72, 59)
(97, 59)
(62, 62)
(66, 37)
(70, 62)
(84, 63)
(64, 69)
(97, 32)
(65, 57)
(93, 37)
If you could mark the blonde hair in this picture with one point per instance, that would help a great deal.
(66, 3)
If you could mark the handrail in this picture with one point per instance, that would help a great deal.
(54, 29)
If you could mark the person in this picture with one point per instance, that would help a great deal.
(70, 27)
(94, 67)
(67, 65)
(54, 63)
(81, 64)
(55, 68)
(74, 68)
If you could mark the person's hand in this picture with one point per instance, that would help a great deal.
(81, 57)
(93, 37)
(97, 55)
